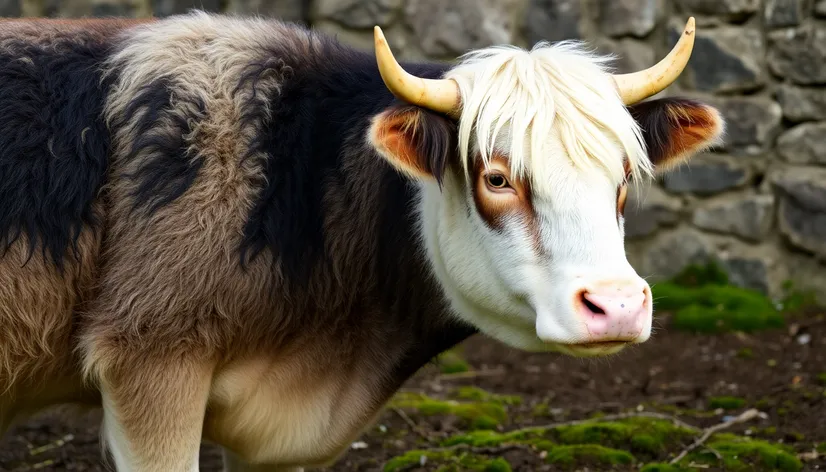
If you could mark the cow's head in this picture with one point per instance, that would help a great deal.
(524, 158)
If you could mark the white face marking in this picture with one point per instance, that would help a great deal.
(522, 282)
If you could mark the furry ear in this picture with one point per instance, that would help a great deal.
(675, 129)
(417, 142)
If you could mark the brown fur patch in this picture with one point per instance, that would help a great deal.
(494, 208)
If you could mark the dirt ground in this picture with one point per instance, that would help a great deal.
(780, 373)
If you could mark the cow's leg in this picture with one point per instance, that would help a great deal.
(153, 413)
(233, 463)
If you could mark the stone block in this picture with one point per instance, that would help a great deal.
(802, 103)
(163, 8)
(649, 209)
(750, 121)
(746, 216)
(453, 28)
(804, 144)
(553, 20)
(706, 174)
(783, 13)
(285, 10)
(799, 54)
(725, 59)
(802, 207)
(737, 10)
(820, 8)
(629, 17)
(10, 8)
(359, 13)
(631, 55)
(669, 253)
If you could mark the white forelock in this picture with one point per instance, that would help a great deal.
(557, 90)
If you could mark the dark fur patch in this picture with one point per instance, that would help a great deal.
(167, 167)
(324, 107)
(54, 146)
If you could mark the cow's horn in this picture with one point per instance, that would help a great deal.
(637, 86)
(440, 95)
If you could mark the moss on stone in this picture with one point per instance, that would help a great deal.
(575, 455)
(702, 301)
(476, 415)
(726, 403)
(448, 461)
(478, 394)
(639, 435)
(741, 453)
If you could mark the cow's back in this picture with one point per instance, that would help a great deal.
(54, 151)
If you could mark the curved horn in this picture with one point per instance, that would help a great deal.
(637, 86)
(438, 95)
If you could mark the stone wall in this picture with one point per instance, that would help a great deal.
(757, 205)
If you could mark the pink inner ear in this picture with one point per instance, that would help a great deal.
(691, 129)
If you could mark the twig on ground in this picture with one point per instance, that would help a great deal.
(411, 423)
(747, 415)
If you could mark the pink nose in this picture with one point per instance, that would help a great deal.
(616, 312)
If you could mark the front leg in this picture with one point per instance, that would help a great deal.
(233, 463)
(154, 408)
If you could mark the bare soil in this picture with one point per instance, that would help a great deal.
(778, 372)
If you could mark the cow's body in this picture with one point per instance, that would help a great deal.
(217, 251)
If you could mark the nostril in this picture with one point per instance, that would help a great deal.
(590, 305)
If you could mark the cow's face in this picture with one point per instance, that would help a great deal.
(523, 194)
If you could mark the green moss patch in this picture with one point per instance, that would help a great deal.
(448, 461)
(450, 362)
(661, 467)
(475, 415)
(821, 378)
(726, 403)
(579, 455)
(478, 394)
(742, 453)
(702, 301)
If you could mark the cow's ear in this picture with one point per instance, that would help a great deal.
(675, 129)
(416, 141)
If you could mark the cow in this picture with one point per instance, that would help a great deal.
(240, 230)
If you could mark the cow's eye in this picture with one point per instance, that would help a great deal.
(496, 181)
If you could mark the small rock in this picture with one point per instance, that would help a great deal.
(783, 13)
(804, 144)
(733, 9)
(748, 217)
(726, 59)
(750, 121)
(804, 339)
(629, 17)
(452, 28)
(802, 104)
(359, 13)
(553, 20)
(359, 445)
(799, 54)
(706, 174)
(820, 8)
